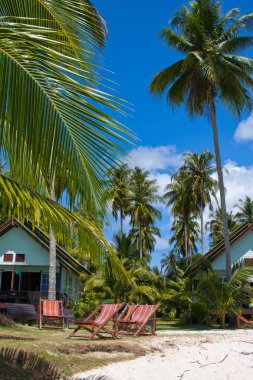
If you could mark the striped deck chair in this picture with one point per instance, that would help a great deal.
(96, 323)
(51, 314)
(138, 320)
(241, 322)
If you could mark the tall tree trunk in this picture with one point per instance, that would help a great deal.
(121, 222)
(186, 237)
(221, 188)
(52, 257)
(202, 228)
(140, 242)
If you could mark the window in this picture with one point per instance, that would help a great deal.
(45, 282)
(8, 257)
(20, 257)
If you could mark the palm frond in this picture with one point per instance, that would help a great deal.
(48, 97)
(19, 201)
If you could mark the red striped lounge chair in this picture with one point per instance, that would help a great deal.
(51, 314)
(96, 323)
(138, 319)
(241, 322)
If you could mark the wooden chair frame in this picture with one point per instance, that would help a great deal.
(97, 328)
(137, 326)
(240, 321)
(51, 321)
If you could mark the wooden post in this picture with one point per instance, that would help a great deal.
(12, 278)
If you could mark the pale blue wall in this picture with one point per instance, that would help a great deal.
(238, 250)
(36, 258)
(19, 241)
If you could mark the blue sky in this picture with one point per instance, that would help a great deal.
(134, 54)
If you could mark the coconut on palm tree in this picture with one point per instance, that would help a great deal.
(210, 72)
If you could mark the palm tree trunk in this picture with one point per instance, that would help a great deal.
(121, 222)
(52, 257)
(202, 229)
(221, 188)
(186, 237)
(140, 242)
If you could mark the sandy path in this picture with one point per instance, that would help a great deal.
(210, 355)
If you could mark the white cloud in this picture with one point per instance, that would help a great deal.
(162, 244)
(162, 180)
(155, 158)
(238, 181)
(244, 131)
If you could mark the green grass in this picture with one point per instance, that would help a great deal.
(77, 354)
(175, 324)
(70, 355)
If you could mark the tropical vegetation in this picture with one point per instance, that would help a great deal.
(210, 72)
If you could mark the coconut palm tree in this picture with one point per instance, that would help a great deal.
(178, 237)
(204, 187)
(245, 213)
(118, 192)
(215, 226)
(53, 120)
(148, 238)
(180, 198)
(143, 194)
(210, 71)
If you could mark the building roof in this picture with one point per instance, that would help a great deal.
(219, 248)
(64, 258)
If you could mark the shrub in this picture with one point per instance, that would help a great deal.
(199, 310)
(6, 321)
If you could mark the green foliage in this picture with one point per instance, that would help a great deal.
(210, 67)
(198, 311)
(215, 226)
(223, 297)
(84, 306)
(245, 210)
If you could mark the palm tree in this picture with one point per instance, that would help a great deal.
(148, 239)
(245, 213)
(224, 297)
(200, 169)
(143, 194)
(215, 226)
(180, 197)
(51, 120)
(117, 192)
(178, 237)
(210, 71)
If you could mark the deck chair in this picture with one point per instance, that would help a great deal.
(240, 321)
(138, 320)
(51, 314)
(96, 326)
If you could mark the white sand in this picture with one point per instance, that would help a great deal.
(205, 355)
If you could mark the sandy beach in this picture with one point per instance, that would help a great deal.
(214, 355)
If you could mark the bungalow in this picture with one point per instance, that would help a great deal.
(24, 265)
(241, 249)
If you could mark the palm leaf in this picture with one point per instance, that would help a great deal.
(19, 201)
(46, 96)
